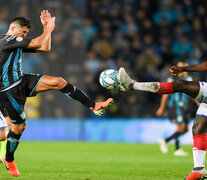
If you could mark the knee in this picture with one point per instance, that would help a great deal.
(185, 129)
(22, 128)
(61, 83)
(19, 129)
(177, 85)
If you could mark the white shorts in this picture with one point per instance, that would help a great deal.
(3, 123)
(202, 95)
(202, 110)
(202, 98)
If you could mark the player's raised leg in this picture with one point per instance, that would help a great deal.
(57, 83)
(190, 88)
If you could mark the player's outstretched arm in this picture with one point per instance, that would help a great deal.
(175, 70)
(42, 42)
(45, 18)
(163, 102)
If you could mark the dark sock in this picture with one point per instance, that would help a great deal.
(173, 136)
(12, 143)
(177, 143)
(74, 93)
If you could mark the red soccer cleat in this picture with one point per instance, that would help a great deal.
(10, 166)
(100, 107)
(197, 174)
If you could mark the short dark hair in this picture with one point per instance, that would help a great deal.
(22, 21)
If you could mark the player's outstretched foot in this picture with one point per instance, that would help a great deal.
(124, 79)
(100, 107)
(197, 174)
(10, 166)
(163, 146)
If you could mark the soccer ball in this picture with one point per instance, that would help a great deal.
(108, 79)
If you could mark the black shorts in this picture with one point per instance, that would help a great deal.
(13, 100)
(184, 118)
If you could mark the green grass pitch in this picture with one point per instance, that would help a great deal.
(97, 161)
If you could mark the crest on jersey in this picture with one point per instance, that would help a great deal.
(19, 39)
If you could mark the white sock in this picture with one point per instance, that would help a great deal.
(146, 86)
(199, 157)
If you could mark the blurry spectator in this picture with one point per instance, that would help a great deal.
(89, 30)
(32, 107)
(166, 12)
(147, 64)
(149, 42)
(197, 29)
(182, 46)
(92, 64)
(119, 42)
(103, 48)
(3, 19)
(130, 27)
(33, 63)
(147, 28)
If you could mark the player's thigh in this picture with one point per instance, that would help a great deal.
(190, 88)
(200, 125)
(50, 83)
(200, 122)
(14, 105)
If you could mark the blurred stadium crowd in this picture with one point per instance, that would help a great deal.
(144, 36)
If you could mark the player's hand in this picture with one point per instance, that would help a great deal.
(45, 17)
(175, 70)
(50, 24)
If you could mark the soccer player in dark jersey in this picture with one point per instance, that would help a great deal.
(15, 86)
(194, 89)
(178, 111)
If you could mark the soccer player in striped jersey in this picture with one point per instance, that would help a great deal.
(15, 86)
(194, 89)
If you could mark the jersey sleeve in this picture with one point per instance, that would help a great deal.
(16, 42)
